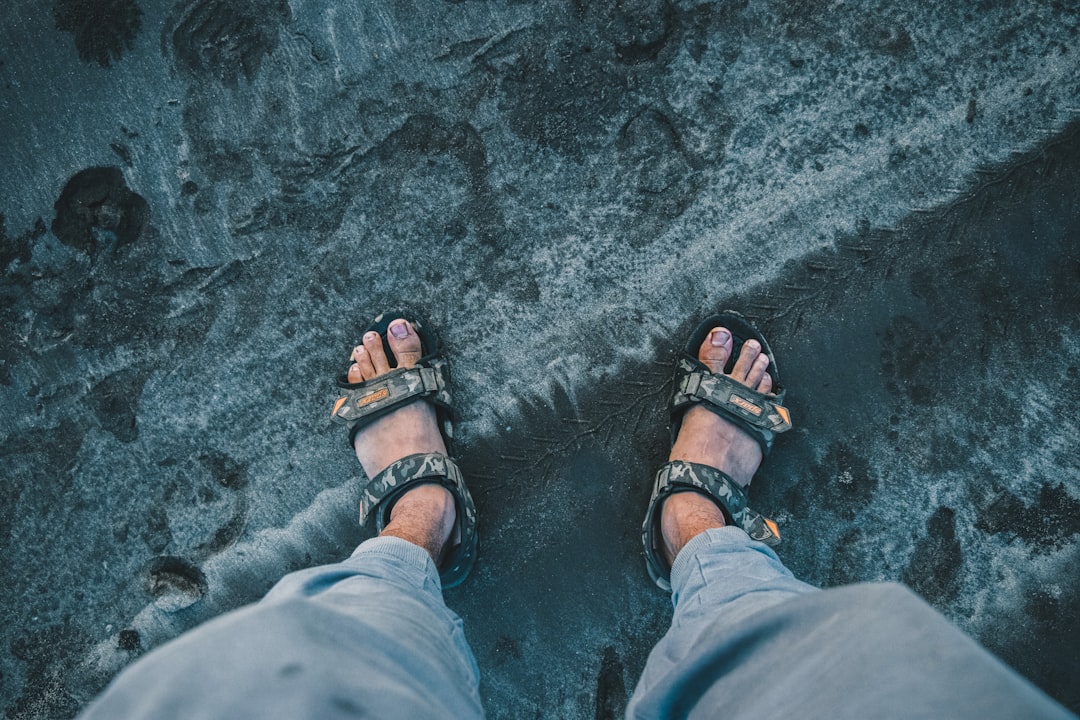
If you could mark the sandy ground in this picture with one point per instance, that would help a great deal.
(203, 201)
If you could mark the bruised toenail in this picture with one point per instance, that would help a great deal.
(720, 337)
(371, 335)
(400, 330)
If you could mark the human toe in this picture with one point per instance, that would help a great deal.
(404, 343)
(757, 370)
(765, 385)
(745, 362)
(361, 369)
(715, 349)
(373, 346)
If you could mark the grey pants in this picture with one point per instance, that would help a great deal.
(371, 637)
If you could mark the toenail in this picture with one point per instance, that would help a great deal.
(720, 337)
(400, 330)
(753, 344)
(371, 335)
(358, 350)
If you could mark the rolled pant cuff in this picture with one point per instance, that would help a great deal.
(727, 537)
(404, 557)
(722, 565)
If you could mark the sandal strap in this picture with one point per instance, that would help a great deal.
(381, 492)
(364, 402)
(679, 476)
(760, 415)
(409, 470)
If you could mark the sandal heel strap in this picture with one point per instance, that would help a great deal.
(381, 492)
(761, 528)
(679, 476)
(725, 491)
(409, 470)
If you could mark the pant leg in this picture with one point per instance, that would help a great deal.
(721, 576)
(366, 637)
(748, 640)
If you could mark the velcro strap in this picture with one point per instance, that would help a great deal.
(397, 387)
(409, 470)
(430, 379)
(719, 390)
(722, 488)
(716, 483)
(761, 528)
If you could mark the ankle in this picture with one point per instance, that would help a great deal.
(683, 517)
(425, 517)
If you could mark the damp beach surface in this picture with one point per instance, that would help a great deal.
(203, 201)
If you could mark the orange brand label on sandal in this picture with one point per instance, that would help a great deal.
(746, 405)
(373, 397)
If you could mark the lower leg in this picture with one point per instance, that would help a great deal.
(423, 516)
(683, 517)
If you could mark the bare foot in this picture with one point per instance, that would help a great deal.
(425, 515)
(709, 439)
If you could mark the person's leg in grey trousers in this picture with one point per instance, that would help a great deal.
(748, 640)
(366, 637)
(371, 636)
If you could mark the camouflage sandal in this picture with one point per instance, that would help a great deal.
(761, 416)
(364, 402)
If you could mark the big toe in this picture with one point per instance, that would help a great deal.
(404, 342)
(716, 349)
